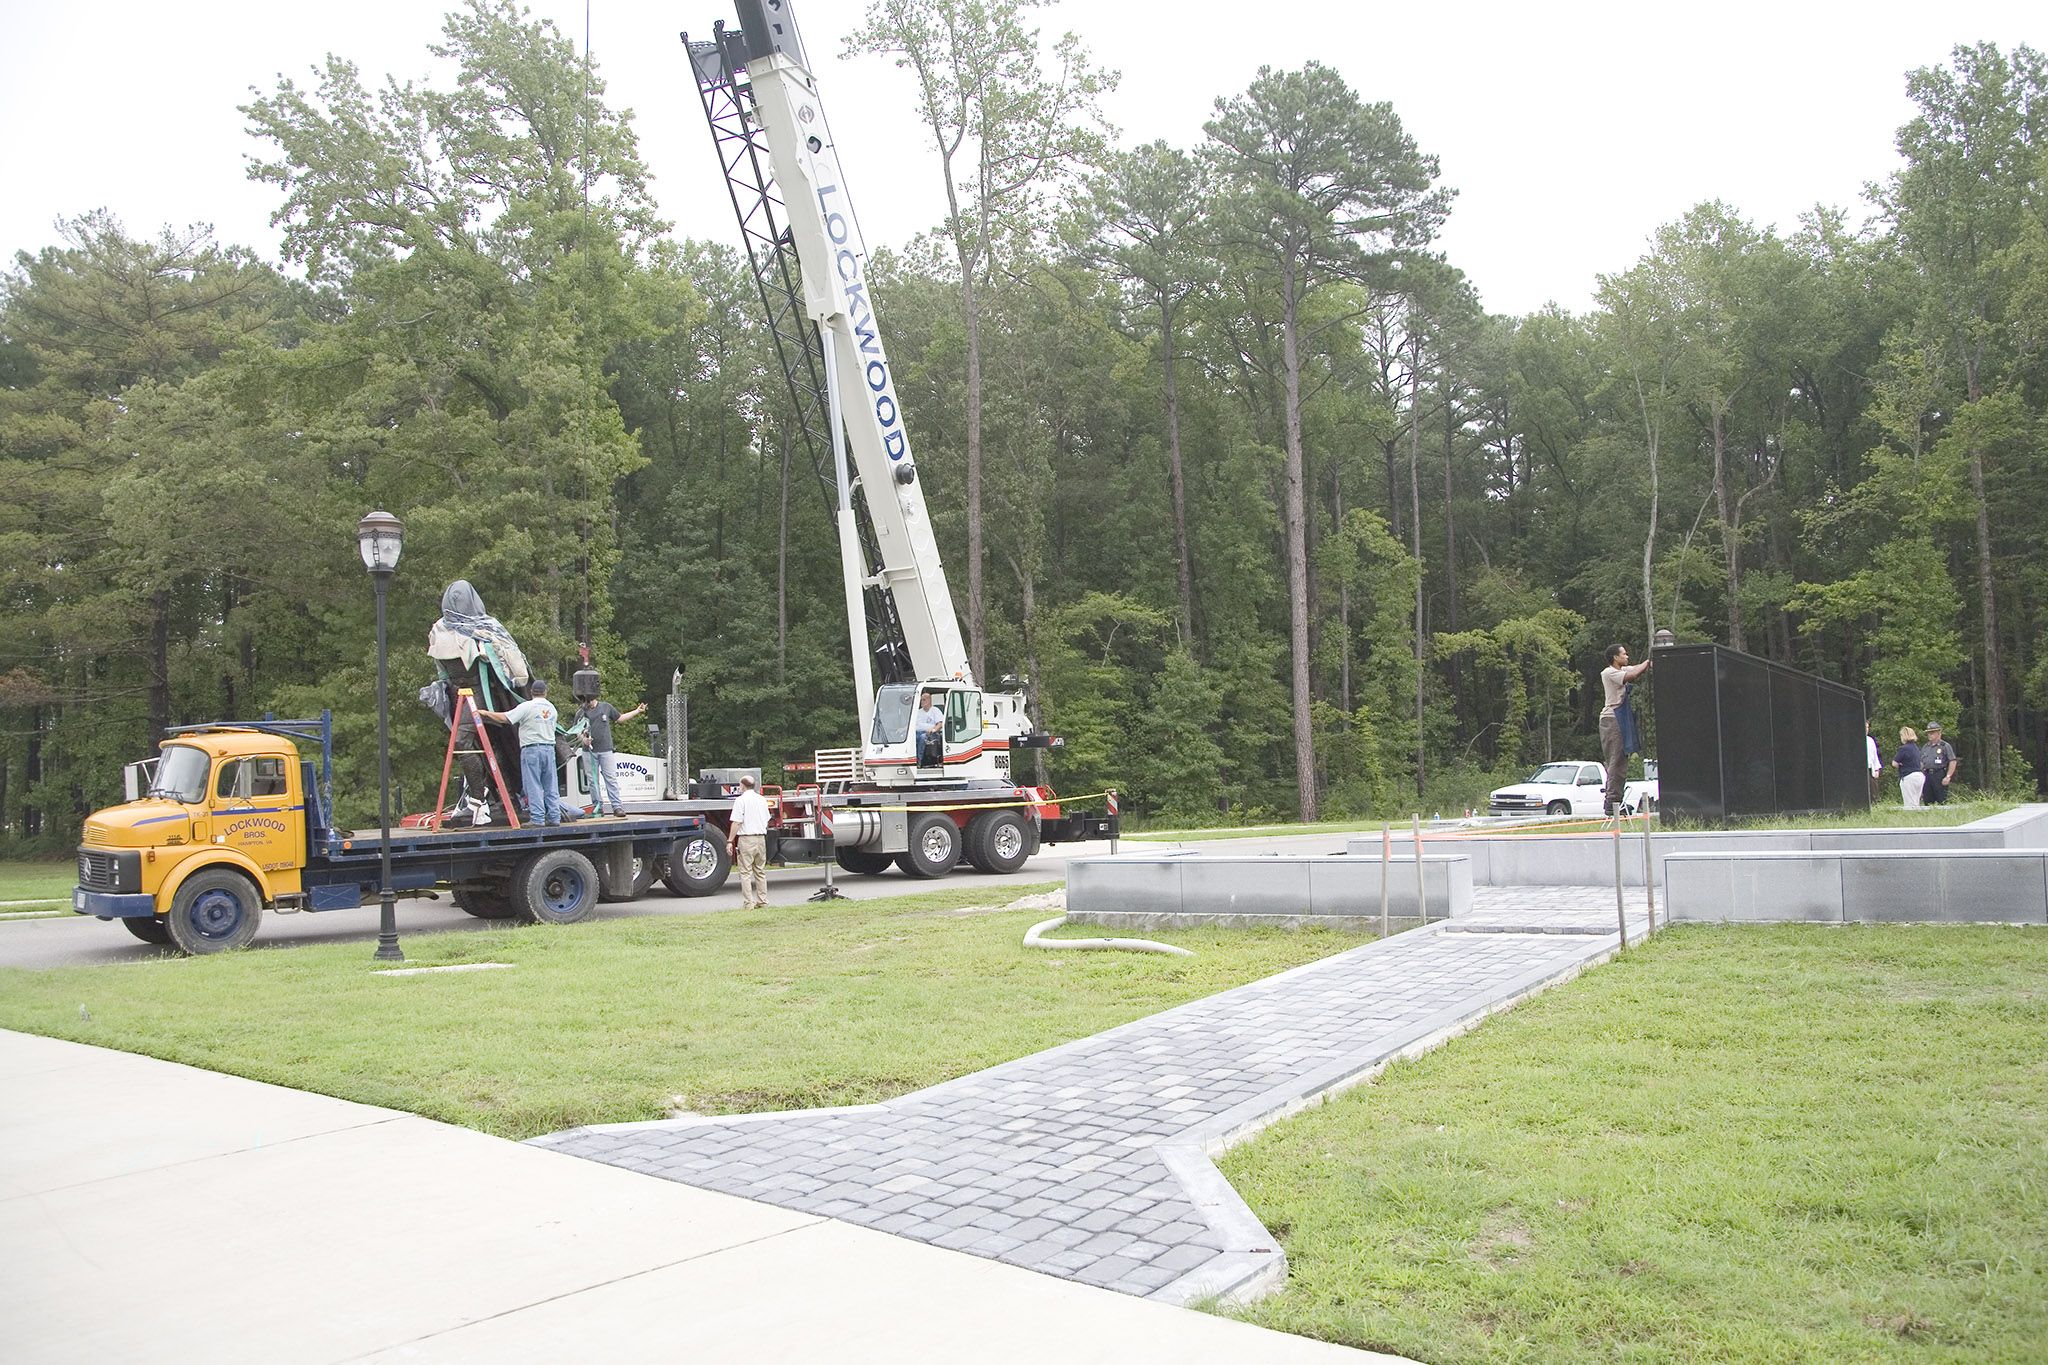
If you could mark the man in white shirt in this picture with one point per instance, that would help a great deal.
(747, 842)
(1876, 760)
(931, 732)
(1614, 679)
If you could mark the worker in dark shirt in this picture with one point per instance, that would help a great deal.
(1939, 761)
(1912, 777)
(598, 717)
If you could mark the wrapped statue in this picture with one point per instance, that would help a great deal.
(472, 650)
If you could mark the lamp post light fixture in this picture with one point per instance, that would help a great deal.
(381, 537)
(1664, 637)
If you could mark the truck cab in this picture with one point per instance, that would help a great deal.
(980, 729)
(223, 814)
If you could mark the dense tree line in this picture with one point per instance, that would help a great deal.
(1223, 455)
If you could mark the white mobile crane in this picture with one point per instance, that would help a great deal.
(895, 584)
(879, 804)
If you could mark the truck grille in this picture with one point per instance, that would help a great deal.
(96, 871)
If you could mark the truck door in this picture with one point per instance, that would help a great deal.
(256, 812)
(963, 722)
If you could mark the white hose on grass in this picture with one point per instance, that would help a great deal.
(1128, 945)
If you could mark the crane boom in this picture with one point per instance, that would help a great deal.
(929, 725)
(821, 224)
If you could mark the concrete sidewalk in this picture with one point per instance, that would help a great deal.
(151, 1211)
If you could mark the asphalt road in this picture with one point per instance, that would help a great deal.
(80, 941)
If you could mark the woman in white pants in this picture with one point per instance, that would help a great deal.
(1907, 761)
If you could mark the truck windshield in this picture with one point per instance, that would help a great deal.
(181, 774)
(1557, 774)
(892, 713)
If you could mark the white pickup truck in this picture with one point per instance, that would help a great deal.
(1572, 788)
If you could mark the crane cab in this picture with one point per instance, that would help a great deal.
(975, 741)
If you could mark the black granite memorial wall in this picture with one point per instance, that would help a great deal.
(1738, 735)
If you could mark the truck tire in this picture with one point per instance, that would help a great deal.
(698, 865)
(866, 862)
(997, 841)
(934, 847)
(643, 877)
(485, 902)
(215, 911)
(148, 928)
(1558, 808)
(558, 886)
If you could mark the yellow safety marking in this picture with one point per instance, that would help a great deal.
(978, 805)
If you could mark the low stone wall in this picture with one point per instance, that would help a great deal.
(1184, 889)
(1588, 859)
(1886, 886)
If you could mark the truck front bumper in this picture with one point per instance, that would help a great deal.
(111, 904)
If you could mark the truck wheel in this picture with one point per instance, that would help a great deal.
(698, 865)
(864, 861)
(934, 847)
(148, 928)
(213, 912)
(485, 902)
(634, 889)
(997, 841)
(555, 887)
(1558, 808)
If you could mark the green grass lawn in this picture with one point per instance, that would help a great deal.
(41, 882)
(1735, 1144)
(798, 1005)
(36, 889)
(1886, 814)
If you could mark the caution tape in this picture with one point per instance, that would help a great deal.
(978, 805)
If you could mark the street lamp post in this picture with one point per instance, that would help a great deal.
(381, 536)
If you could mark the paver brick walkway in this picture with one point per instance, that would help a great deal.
(1091, 1160)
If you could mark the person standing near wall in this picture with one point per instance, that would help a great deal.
(1876, 760)
(1907, 761)
(1939, 760)
(1614, 680)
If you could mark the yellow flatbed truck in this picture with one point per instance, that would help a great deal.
(232, 820)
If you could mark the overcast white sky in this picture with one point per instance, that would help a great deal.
(1570, 132)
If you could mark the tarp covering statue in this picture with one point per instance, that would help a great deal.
(472, 649)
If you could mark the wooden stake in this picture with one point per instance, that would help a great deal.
(1620, 904)
(1649, 869)
(1386, 861)
(1421, 897)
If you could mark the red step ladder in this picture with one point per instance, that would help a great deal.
(464, 698)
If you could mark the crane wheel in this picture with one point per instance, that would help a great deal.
(934, 846)
(998, 841)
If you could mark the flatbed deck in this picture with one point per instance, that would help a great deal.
(351, 848)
